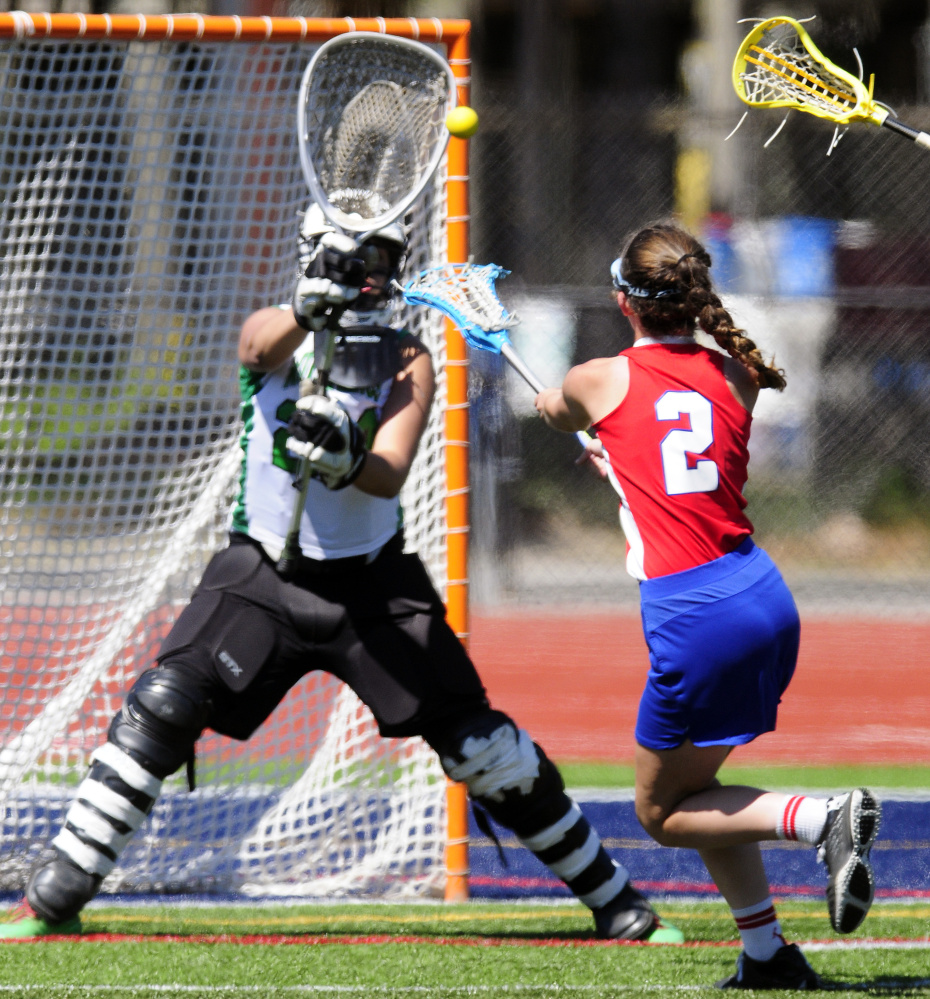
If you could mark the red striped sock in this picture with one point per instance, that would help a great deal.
(803, 819)
(759, 930)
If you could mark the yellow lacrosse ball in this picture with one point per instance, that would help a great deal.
(462, 121)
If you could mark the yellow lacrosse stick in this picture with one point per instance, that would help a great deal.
(779, 66)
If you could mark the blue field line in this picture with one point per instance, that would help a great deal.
(901, 855)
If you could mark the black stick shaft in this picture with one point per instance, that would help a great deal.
(915, 134)
(287, 563)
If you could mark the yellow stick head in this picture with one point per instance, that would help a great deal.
(778, 65)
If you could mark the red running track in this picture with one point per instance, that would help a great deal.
(860, 694)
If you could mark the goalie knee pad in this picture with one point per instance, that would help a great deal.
(492, 758)
(505, 771)
(161, 720)
(150, 737)
(59, 890)
(522, 790)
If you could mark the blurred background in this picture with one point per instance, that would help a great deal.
(598, 116)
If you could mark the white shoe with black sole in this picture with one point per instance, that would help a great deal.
(853, 821)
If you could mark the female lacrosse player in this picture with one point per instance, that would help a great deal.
(355, 604)
(672, 419)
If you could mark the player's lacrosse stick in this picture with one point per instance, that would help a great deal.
(779, 66)
(467, 294)
(371, 134)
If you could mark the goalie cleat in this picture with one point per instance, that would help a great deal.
(852, 825)
(23, 922)
(788, 969)
(59, 889)
(630, 917)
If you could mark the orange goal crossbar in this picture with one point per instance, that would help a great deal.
(232, 28)
(454, 34)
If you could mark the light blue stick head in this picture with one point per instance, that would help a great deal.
(466, 293)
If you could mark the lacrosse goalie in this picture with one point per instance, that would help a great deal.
(353, 602)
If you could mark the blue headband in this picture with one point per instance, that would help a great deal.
(628, 289)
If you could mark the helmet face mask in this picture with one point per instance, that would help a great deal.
(392, 238)
(390, 260)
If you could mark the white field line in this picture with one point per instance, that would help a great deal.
(889, 986)
(835, 945)
(234, 990)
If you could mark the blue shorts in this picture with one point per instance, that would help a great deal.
(723, 644)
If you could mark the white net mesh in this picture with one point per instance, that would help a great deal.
(780, 68)
(150, 199)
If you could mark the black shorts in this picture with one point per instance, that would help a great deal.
(248, 636)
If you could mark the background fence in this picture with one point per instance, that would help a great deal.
(825, 260)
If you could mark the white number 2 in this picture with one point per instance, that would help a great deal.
(678, 444)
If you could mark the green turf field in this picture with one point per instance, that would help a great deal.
(530, 950)
(433, 950)
(788, 777)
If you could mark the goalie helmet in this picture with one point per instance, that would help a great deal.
(393, 238)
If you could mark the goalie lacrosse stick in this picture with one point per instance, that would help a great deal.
(371, 126)
(779, 66)
(371, 134)
(467, 294)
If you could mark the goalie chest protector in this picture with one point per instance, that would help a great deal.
(335, 524)
(678, 448)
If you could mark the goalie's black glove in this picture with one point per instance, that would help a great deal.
(323, 433)
(335, 272)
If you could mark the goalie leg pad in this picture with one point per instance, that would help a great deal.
(519, 786)
(150, 737)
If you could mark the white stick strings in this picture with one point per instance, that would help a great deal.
(467, 294)
(780, 68)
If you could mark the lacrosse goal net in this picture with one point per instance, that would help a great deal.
(150, 195)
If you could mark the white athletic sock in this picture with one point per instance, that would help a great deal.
(803, 819)
(759, 930)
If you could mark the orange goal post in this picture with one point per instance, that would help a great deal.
(150, 186)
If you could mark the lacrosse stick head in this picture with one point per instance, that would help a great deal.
(467, 294)
(779, 66)
(371, 126)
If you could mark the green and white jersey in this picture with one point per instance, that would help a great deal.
(334, 524)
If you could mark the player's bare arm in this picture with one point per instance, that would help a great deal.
(402, 424)
(743, 382)
(589, 392)
(269, 337)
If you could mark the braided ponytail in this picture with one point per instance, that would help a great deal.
(669, 272)
(714, 319)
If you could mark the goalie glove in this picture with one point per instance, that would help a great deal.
(323, 433)
(335, 272)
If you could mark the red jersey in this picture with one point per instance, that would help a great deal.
(678, 449)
